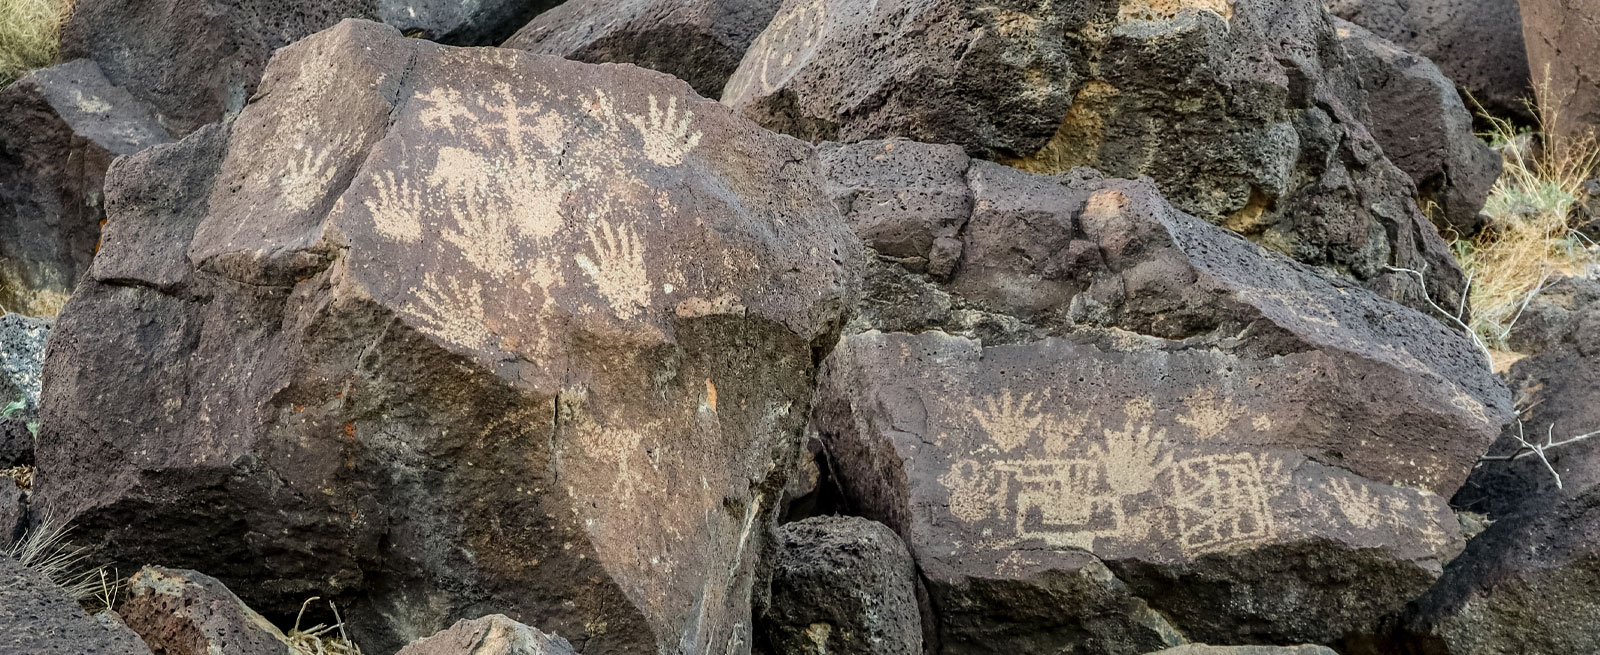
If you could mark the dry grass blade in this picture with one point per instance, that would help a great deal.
(43, 550)
(30, 34)
(320, 639)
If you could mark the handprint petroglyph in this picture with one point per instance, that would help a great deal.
(309, 172)
(396, 206)
(666, 133)
(452, 311)
(617, 269)
(1008, 420)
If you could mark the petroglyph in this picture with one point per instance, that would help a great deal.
(1221, 501)
(617, 269)
(666, 133)
(1208, 414)
(1007, 420)
(795, 33)
(395, 205)
(308, 173)
(452, 311)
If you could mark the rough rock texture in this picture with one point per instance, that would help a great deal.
(842, 586)
(195, 61)
(1526, 584)
(60, 127)
(13, 512)
(454, 330)
(698, 41)
(1103, 385)
(1201, 649)
(1419, 119)
(1562, 37)
(36, 618)
(1244, 118)
(491, 635)
(1476, 43)
(22, 342)
(180, 612)
(458, 22)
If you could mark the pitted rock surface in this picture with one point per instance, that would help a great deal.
(698, 41)
(490, 635)
(842, 585)
(184, 612)
(1241, 112)
(493, 330)
(1103, 401)
(37, 618)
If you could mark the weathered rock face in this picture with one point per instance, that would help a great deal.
(1105, 400)
(60, 127)
(477, 23)
(1241, 117)
(842, 585)
(698, 41)
(195, 61)
(188, 613)
(1520, 583)
(449, 331)
(1417, 116)
(1563, 49)
(490, 635)
(37, 618)
(22, 342)
(1476, 43)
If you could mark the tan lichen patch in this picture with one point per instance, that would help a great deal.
(1167, 9)
(1077, 141)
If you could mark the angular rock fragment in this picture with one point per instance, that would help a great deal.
(13, 512)
(1107, 400)
(1238, 110)
(37, 618)
(698, 41)
(1476, 43)
(842, 585)
(490, 635)
(195, 61)
(1522, 584)
(452, 330)
(60, 127)
(1418, 118)
(188, 613)
(477, 23)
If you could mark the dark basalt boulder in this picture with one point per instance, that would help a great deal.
(60, 127)
(842, 585)
(698, 41)
(1102, 425)
(180, 612)
(37, 618)
(1241, 112)
(439, 331)
(453, 22)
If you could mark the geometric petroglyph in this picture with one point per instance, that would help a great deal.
(1221, 501)
(795, 33)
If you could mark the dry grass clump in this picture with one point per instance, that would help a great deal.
(321, 639)
(1529, 239)
(43, 549)
(30, 33)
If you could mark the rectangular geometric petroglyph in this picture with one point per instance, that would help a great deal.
(1222, 501)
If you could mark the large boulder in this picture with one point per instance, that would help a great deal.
(1419, 119)
(1476, 43)
(1527, 583)
(1562, 55)
(37, 618)
(476, 23)
(180, 612)
(490, 635)
(436, 331)
(195, 61)
(1239, 111)
(698, 41)
(842, 585)
(1106, 407)
(60, 127)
